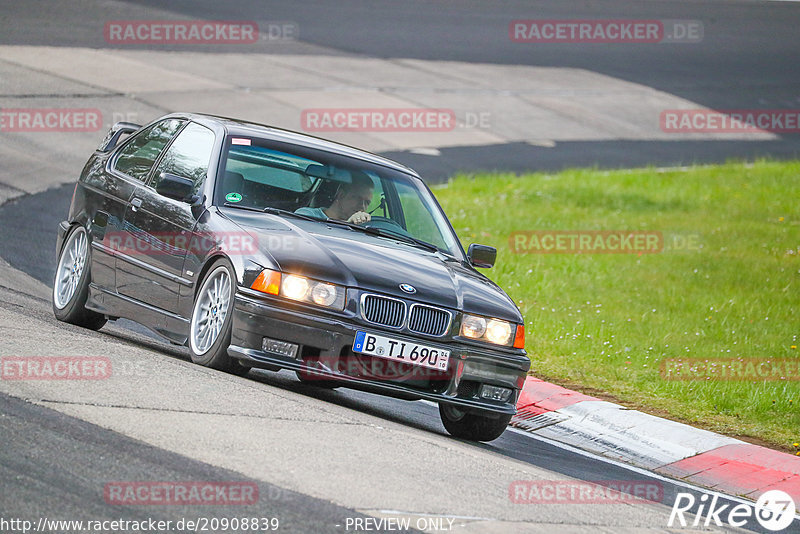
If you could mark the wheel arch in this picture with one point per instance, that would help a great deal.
(208, 263)
(67, 226)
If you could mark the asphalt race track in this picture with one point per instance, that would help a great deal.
(746, 60)
(322, 460)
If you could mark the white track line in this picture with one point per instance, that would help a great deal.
(623, 465)
(635, 469)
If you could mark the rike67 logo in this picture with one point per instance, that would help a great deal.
(774, 510)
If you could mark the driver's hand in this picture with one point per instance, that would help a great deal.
(360, 217)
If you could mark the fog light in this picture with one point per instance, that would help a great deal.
(279, 347)
(495, 393)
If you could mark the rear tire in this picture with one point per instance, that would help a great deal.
(71, 282)
(212, 320)
(471, 426)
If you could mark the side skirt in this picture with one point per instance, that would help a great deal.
(172, 327)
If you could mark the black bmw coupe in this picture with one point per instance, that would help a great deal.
(258, 247)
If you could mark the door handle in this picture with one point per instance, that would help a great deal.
(136, 203)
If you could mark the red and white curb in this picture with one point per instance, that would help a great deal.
(673, 449)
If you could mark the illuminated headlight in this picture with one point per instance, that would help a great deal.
(294, 287)
(300, 288)
(491, 330)
(498, 332)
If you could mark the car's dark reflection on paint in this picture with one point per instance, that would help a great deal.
(260, 247)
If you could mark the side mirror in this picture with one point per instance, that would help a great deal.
(175, 187)
(482, 256)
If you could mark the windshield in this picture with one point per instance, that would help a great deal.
(263, 174)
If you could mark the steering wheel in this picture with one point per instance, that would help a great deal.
(387, 224)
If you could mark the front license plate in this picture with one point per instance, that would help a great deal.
(401, 351)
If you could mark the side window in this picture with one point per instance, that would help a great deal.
(137, 157)
(188, 156)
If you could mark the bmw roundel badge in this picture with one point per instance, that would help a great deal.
(408, 288)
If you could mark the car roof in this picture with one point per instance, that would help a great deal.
(246, 128)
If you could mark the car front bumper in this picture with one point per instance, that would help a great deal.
(331, 337)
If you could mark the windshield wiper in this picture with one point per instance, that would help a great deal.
(278, 211)
(382, 232)
(273, 211)
(239, 206)
(389, 233)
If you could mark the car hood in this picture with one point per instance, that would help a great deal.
(348, 257)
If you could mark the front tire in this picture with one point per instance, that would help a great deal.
(471, 426)
(71, 282)
(212, 320)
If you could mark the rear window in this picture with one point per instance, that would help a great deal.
(260, 165)
(140, 153)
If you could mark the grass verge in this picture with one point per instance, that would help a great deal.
(724, 285)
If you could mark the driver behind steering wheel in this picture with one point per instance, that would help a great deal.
(349, 203)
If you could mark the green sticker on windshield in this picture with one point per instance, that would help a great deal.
(233, 197)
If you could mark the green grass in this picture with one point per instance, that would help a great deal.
(603, 322)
